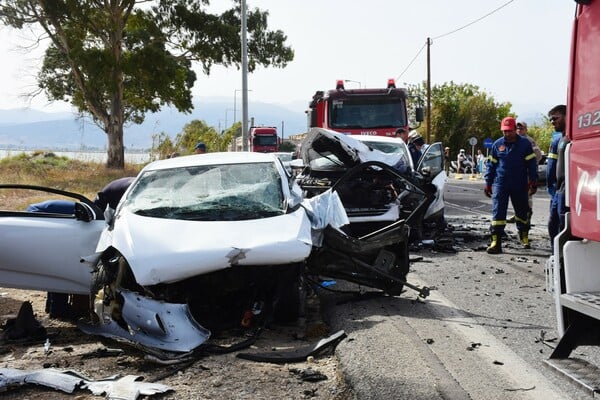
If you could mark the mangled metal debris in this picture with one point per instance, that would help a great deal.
(309, 375)
(126, 388)
(297, 355)
(24, 326)
(150, 323)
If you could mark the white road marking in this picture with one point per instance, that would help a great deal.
(501, 372)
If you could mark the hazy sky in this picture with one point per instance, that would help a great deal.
(519, 53)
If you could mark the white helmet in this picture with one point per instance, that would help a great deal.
(415, 136)
(462, 150)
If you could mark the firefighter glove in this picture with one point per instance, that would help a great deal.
(488, 190)
(532, 188)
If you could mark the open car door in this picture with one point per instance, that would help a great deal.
(46, 248)
(431, 170)
(431, 163)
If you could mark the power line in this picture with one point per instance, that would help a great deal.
(474, 22)
(412, 61)
(451, 32)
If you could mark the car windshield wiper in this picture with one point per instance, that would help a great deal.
(159, 212)
(228, 212)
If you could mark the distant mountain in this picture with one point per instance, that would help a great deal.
(28, 128)
(24, 115)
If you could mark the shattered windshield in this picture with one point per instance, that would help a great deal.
(228, 192)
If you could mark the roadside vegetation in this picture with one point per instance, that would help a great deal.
(460, 111)
(47, 169)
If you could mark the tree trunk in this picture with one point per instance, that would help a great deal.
(116, 150)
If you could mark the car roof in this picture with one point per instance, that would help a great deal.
(240, 157)
(346, 148)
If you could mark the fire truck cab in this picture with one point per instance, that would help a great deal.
(362, 111)
(264, 139)
(574, 269)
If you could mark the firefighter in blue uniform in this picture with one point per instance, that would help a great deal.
(555, 172)
(511, 173)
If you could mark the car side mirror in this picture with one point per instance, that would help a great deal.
(84, 213)
(419, 114)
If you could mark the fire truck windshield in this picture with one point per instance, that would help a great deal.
(265, 140)
(367, 112)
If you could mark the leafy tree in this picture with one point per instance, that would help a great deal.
(164, 146)
(286, 145)
(198, 131)
(118, 60)
(542, 133)
(461, 111)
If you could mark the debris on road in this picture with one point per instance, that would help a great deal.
(309, 375)
(103, 352)
(297, 355)
(473, 346)
(126, 388)
(24, 326)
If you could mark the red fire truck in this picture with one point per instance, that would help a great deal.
(362, 111)
(263, 139)
(574, 269)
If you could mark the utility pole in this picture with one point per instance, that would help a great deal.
(428, 91)
(244, 80)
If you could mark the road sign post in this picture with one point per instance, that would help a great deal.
(487, 143)
(473, 142)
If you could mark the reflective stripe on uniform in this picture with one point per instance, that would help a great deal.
(530, 156)
(553, 156)
(524, 221)
(492, 159)
(499, 223)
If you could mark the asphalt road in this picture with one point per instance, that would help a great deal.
(478, 336)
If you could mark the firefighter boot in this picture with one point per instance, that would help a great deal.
(496, 245)
(524, 237)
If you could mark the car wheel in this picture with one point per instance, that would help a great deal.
(100, 278)
(400, 271)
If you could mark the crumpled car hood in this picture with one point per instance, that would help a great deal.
(162, 250)
(320, 142)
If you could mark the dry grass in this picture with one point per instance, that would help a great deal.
(47, 169)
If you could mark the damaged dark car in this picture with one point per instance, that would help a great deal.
(386, 201)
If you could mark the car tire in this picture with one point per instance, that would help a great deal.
(100, 278)
(400, 271)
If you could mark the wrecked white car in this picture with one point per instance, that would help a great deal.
(200, 243)
(195, 238)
